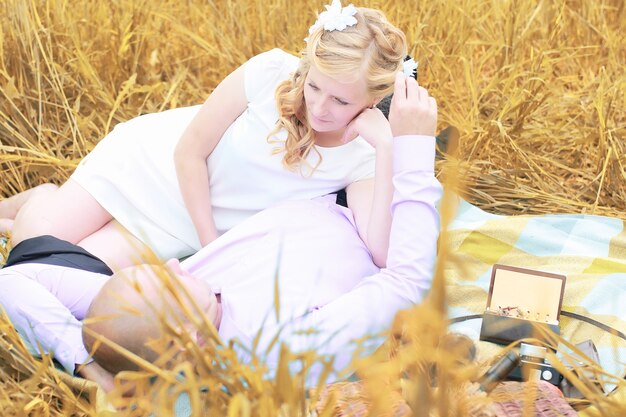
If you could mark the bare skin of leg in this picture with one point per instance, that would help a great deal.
(116, 246)
(9, 207)
(72, 214)
(6, 225)
(69, 213)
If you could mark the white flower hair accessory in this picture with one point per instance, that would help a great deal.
(409, 66)
(335, 17)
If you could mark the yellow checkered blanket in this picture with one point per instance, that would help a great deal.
(589, 250)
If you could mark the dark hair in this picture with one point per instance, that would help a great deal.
(384, 104)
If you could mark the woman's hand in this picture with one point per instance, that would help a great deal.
(372, 126)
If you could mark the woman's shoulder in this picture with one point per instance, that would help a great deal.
(277, 54)
(265, 70)
(274, 58)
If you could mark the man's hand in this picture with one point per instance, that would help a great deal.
(413, 111)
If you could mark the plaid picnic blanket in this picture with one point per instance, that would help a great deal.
(589, 250)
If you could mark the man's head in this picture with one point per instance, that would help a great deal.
(139, 307)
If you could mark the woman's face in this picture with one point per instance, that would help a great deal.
(331, 104)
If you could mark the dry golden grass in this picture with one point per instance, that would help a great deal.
(536, 88)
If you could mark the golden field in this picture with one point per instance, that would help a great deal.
(537, 90)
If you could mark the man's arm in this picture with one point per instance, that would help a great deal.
(371, 306)
(45, 304)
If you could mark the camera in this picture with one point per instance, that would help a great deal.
(533, 366)
(527, 365)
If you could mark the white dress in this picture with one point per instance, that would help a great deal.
(131, 171)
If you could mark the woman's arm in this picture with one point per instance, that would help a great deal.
(370, 200)
(218, 112)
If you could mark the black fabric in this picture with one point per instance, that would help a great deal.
(342, 198)
(50, 250)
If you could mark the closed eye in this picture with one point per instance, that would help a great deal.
(340, 101)
(313, 86)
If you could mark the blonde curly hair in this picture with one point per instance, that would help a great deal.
(373, 47)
